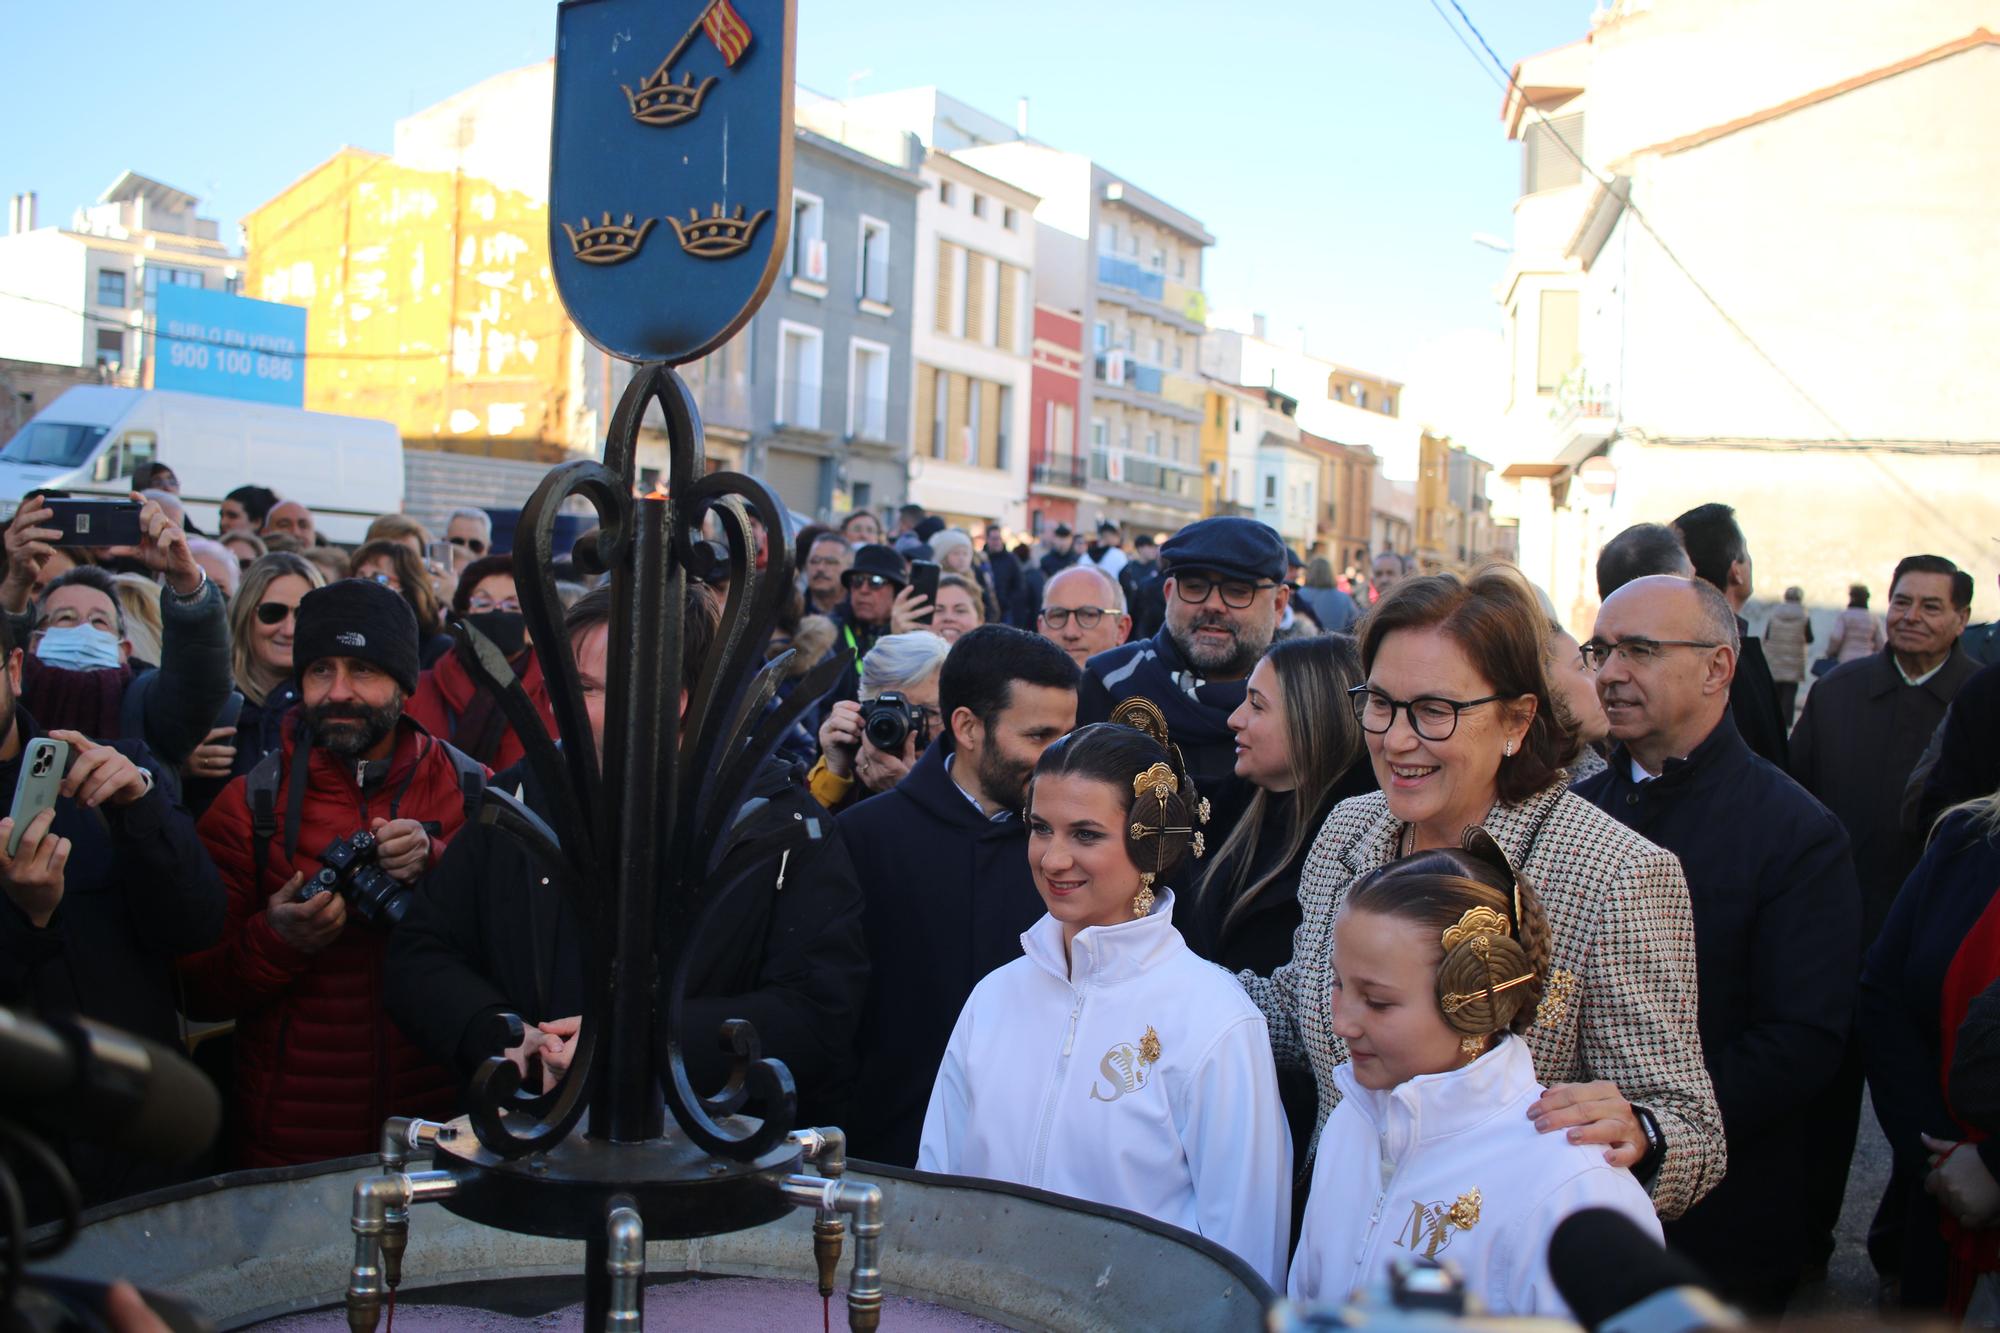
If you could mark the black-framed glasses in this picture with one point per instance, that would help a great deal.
(275, 613)
(1432, 717)
(1194, 589)
(1086, 616)
(472, 544)
(1636, 652)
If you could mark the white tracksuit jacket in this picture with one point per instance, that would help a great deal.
(1449, 1166)
(1135, 1075)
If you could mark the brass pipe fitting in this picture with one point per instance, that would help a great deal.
(864, 1204)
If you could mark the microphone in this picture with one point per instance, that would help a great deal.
(82, 1079)
(1617, 1279)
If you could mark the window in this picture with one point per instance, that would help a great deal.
(157, 274)
(808, 258)
(1159, 352)
(1271, 488)
(111, 287)
(1152, 444)
(1360, 397)
(864, 495)
(1388, 407)
(975, 421)
(1159, 264)
(1180, 266)
(800, 355)
(871, 274)
(111, 348)
(978, 205)
(940, 405)
(1557, 353)
(1100, 434)
(1110, 238)
(947, 194)
(233, 284)
(1545, 164)
(1100, 336)
(867, 390)
(1003, 421)
(1010, 219)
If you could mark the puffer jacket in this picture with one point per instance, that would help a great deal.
(319, 1063)
(449, 703)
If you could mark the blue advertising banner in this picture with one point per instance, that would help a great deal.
(229, 346)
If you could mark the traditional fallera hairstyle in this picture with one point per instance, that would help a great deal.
(1323, 739)
(1162, 811)
(1491, 931)
(1494, 620)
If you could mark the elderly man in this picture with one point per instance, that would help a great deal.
(827, 561)
(470, 530)
(291, 518)
(1083, 613)
(1387, 570)
(1777, 915)
(1226, 593)
(1862, 729)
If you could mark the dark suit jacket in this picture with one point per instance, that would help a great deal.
(1753, 701)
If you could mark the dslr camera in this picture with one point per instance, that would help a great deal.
(350, 867)
(888, 720)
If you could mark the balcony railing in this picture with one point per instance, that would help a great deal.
(1146, 474)
(1117, 271)
(1137, 376)
(870, 417)
(1063, 470)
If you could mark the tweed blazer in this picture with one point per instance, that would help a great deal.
(1620, 1000)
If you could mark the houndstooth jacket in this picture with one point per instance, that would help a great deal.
(1620, 1000)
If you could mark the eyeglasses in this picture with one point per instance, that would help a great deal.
(1636, 652)
(275, 613)
(867, 581)
(481, 602)
(1431, 717)
(1086, 616)
(389, 581)
(472, 544)
(1195, 588)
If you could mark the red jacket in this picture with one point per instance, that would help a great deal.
(319, 1064)
(446, 690)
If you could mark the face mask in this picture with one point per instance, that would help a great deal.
(78, 648)
(507, 629)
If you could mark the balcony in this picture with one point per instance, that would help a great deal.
(1138, 472)
(1121, 370)
(1063, 470)
(1582, 417)
(1127, 275)
(724, 403)
(868, 417)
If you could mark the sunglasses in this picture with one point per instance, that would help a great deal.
(275, 613)
(472, 544)
(868, 581)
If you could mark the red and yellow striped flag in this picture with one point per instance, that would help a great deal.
(726, 28)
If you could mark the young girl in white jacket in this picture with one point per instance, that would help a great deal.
(1439, 960)
(1111, 1063)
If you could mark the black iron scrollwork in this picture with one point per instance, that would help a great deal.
(640, 842)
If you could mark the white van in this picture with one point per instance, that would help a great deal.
(92, 439)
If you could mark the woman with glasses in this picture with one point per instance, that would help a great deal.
(262, 618)
(450, 703)
(392, 565)
(1462, 732)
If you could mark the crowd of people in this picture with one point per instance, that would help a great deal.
(1335, 917)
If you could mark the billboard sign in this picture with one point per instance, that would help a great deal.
(229, 346)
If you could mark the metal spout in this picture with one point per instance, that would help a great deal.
(864, 1204)
(381, 1231)
(625, 1262)
(827, 1236)
(403, 1135)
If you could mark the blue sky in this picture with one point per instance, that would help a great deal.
(1343, 152)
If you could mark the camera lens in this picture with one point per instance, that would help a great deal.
(887, 728)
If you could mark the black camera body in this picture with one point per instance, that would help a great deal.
(351, 867)
(888, 720)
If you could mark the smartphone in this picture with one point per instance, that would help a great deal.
(95, 522)
(439, 554)
(924, 583)
(232, 708)
(43, 763)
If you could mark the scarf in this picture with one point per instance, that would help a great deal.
(1197, 711)
(85, 701)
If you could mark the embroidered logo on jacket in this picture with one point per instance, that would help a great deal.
(1432, 1225)
(1126, 1066)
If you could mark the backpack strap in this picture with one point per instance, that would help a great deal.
(471, 778)
(260, 793)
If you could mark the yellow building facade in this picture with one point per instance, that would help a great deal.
(432, 303)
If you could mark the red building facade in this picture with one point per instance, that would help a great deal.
(1059, 463)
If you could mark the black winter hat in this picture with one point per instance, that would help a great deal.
(885, 561)
(362, 619)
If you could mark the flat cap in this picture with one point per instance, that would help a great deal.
(1238, 547)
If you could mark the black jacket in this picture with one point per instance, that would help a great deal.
(260, 729)
(138, 890)
(1858, 738)
(486, 934)
(1003, 576)
(1777, 919)
(1753, 701)
(1055, 562)
(1968, 761)
(1145, 596)
(948, 895)
(850, 634)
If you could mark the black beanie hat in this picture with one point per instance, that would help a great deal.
(358, 618)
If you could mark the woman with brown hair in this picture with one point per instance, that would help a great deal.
(1440, 961)
(1461, 731)
(393, 565)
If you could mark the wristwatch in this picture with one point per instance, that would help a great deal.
(1656, 1141)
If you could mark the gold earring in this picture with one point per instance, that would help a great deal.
(1142, 901)
(1472, 1046)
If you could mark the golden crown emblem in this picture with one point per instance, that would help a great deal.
(661, 101)
(716, 236)
(608, 242)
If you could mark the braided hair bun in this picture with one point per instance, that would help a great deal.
(1163, 815)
